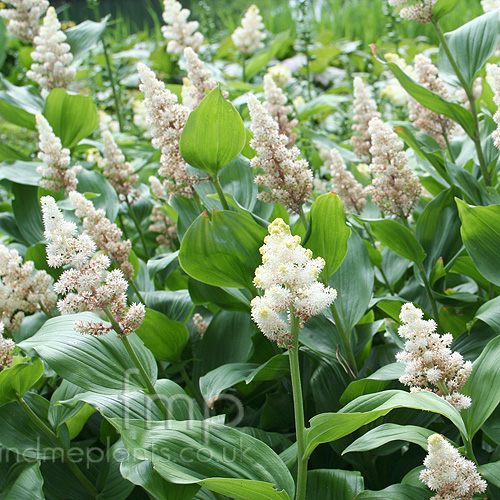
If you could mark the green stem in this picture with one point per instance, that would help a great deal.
(114, 87)
(386, 281)
(303, 219)
(220, 192)
(40, 424)
(448, 146)
(150, 390)
(428, 289)
(138, 227)
(122, 224)
(298, 404)
(192, 388)
(472, 102)
(137, 292)
(344, 336)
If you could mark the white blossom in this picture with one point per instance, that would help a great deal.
(51, 56)
(415, 10)
(490, 5)
(6, 348)
(493, 71)
(24, 17)
(200, 324)
(281, 74)
(248, 37)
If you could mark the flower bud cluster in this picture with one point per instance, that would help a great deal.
(287, 179)
(430, 364)
(275, 104)
(23, 289)
(200, 323)
(165, 227)
(396, 189)
(56, 173)
(494, 80)
(167, 119)
(87, 285)
(6, 348)
(448, 473)
(248, 37)
(415, 10)
(365, 108)
(289, 277)
(115, 168)
(179, 33)
(281, 74)
(24, 18)
(51, 56)
(349, 190)
(431, 123)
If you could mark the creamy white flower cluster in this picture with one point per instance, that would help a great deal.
(23, 289)
(289, 277)
(87, 285)
(365, 108)
(281, 74)
(165, 227)
(248, 37)
(396, 189)
(105, 234)
(199, 81)
(448, 473)
(167, 119)
(24, 17)
(431, 123)
(56, 173)
(115, 168)
(349, 190)
(489, 5)
(415, 10)
(494, 80)
(200, 324)
(394, 90)
(430, 364)
(275, 104)
(6, 348)
(51, 56)
(179, 33)
(289, 180)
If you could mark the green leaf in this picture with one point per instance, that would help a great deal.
(397, 237)
(223, 251)
(433, 101)
(91, 181)
(328, 427)
(98, 364)
(354, 283)
(484, 387)
(214, 134)
(19, 377)
(386, 433)
(329, 232)
(85, 36)
(443, 7)
(471, 45)
(28, 484)
(165, 338)
(489, 312)
(21, 172)
(396, 492)
(19, 105)
(481, 236)
(491, 472)
(72, 116)
(26, 208)
(193, 452)
(333, 484)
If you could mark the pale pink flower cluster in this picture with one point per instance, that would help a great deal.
(275, 104)
(87, 285)
(289, 277)
(165, 227)
(115, 168)
(349, 190)
(448, 473)
(430, 364)
(415, 10)
(105, 234)
(167, 119)
(289, 180)
(365, 108)
(200, 81)
(51, 56)
(6, 348)
(248, 37)
(396, 189)
(56, 173)
(23, 289)
(178, 32)
(200, 324)
(494, 80)
(24, 17)
(431, 123)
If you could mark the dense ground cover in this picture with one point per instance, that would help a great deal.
(253, 259)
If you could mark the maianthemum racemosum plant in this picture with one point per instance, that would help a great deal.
(232, 306)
